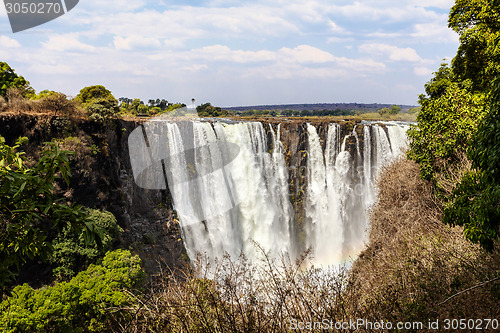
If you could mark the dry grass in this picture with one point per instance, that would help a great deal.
(241, 297)
(413, 269)
(375, 116)
(3, 104)
(414, 262)
(57, 104)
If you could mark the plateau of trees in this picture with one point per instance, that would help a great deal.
(295, 113)
(394, 109)
(95, 102)
(457, 139)
(135, 106)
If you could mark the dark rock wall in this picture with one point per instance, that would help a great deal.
(150, 224)
(151, 229)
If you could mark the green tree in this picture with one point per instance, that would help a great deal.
(99, 103)
(460, 117)
(93, 301)
(384, 111)
(394, 109)
(92, 93)
(414, 110)
(9, 79)
(30, 212)
(142, 109)
(475, 203)
(439, 83)
(477, 23)
(207, 110)
(71, 253)
(445, 127)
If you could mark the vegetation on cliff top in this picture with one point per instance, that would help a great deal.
(456, 140)
(414, 269)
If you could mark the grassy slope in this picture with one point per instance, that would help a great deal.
(414, 263)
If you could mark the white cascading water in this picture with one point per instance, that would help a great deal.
(340, 188)
(227, 206)
(245, 201)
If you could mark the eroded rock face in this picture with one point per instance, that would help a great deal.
(103, 178)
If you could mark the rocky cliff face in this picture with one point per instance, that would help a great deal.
(102, 176)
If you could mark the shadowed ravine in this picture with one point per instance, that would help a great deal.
(253, 193)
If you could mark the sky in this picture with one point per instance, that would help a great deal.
(233, 53)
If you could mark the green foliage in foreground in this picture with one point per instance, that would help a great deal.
(71, 253)
(475, 203)
(83, 304)
(30, 212)
(460, 120)
(446, 125)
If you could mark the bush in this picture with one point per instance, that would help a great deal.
(102, 109)
(83, 159)
(263, 296)
(86, 303)
(446, 126)
(16, 100)
(3, 104)
(56, 103)
(72, 253)
(31, 213)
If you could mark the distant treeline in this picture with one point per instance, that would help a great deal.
(355, 107)
(294, 113)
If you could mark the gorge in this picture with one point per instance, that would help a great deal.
(287, 184)
(284, 185)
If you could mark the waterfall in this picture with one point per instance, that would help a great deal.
(230, 185)
(232, 205)
(325, 194)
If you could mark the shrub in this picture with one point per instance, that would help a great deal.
(3, 104)
(31, 214)
(102, 109)
(414, 263)
(57, 103)
(238, 296)
(446, 126)
(86, 303)
(83, 158)
(72, 253)
(16, 100)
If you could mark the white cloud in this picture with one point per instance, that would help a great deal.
(335, 28)
(99, 6)
(135, 42)
(8, 43)
(422, 71)
(435, 32)
(224, 53)
(443, 4)
(305, 54)
(140, 46)
(393, 52)
(52, 69)
(62, 43)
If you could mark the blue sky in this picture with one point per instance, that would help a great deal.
(234, 53)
